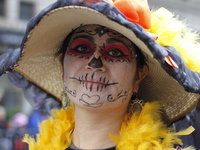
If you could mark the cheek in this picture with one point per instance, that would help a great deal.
(125, 74)
(71, 66)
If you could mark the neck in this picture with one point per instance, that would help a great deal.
(92, 127)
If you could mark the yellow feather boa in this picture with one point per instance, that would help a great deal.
(173, 32)
(142, 131)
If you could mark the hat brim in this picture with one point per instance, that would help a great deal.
(39, 64)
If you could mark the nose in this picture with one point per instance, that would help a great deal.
(95, 64)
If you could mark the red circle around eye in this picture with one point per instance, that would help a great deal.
(74, 47)
(125, 53)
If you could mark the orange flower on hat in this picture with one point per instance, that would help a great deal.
(136, 11)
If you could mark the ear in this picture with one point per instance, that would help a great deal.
(140, 74)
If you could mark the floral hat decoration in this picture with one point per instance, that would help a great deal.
(171, 50)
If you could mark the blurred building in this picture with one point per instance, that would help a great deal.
(14, 15)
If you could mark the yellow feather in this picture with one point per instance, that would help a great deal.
(187, 131)
(142, 131)
(173, 32)
(55, 133)
(145, 130)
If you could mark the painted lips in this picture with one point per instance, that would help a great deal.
(93, 84)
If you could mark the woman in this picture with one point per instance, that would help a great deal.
(96, 58)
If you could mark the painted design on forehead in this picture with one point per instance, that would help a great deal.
(123, 94)
(88, 81)
(90, 101)
(71, 92)
(100, 30)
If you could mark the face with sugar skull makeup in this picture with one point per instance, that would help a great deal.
(100, 68)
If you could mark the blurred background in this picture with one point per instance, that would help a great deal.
(17, 117)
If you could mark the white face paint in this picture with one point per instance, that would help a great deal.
(99, 68)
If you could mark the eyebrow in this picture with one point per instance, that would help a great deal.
(89, 38)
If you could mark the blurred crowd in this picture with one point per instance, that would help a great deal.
(13, 130)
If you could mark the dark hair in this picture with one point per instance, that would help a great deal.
(141, 59)
(64, 45)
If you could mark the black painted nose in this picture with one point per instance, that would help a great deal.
(95, 63)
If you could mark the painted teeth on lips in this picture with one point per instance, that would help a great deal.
(90, 81)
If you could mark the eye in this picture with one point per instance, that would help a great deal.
(116, 53)
(81, 48)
